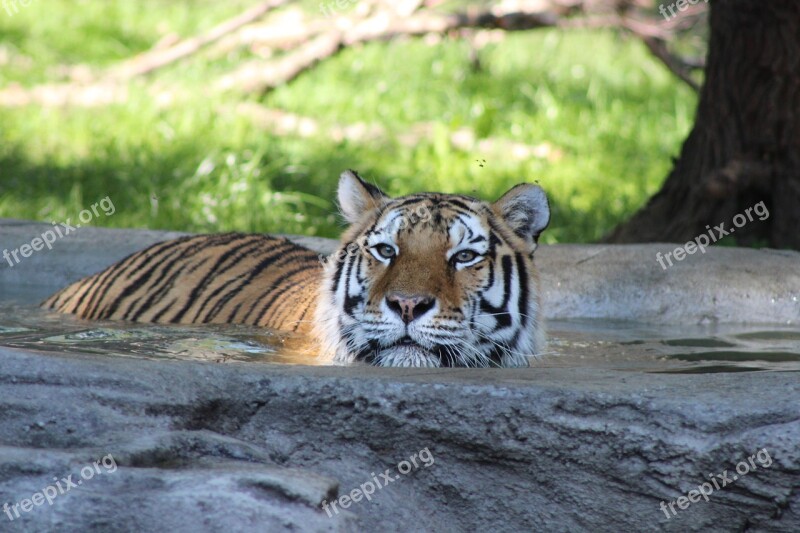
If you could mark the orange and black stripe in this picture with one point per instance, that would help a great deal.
(227, 278)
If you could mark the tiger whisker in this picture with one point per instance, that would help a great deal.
(518, 314)
(503, 346)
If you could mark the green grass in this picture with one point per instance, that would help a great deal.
(614, 115)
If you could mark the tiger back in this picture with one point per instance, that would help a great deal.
(229, 278)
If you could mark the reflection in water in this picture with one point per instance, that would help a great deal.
(35, 329)
(672, 349)
(623, 346)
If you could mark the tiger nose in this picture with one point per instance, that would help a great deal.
(409, 307)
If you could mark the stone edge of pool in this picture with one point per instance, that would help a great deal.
(259, 447)
(611, 282)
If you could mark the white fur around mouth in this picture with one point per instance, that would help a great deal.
(407, 355)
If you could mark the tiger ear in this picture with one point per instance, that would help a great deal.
(357, 197)
(525, 209)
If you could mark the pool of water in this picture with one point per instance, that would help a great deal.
(624, 346)
(672, 349)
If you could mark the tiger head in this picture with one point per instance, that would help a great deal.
(431, 280)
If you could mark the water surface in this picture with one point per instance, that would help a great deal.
(613, 345)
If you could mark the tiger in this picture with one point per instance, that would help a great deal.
(423, 280)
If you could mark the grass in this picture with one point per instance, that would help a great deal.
(613, 116)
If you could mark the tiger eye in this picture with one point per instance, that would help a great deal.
(465, 256)
(385, 250)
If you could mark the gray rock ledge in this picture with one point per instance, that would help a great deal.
(257, 447)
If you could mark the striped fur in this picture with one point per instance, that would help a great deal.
(460, 287)
(218, 279)
(421, 280)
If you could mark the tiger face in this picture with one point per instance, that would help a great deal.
(432, 280)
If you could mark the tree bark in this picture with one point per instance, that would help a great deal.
(745, 144)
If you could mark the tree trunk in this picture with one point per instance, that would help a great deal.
(745, 145)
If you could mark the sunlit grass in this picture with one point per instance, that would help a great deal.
(612, 117)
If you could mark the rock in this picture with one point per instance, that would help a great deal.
(259, 447)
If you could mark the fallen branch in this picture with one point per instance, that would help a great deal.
(654, 38)
(659, 49)
(315, 41)
(257, 76)
(284, 31)
(64, 94)
(283, 123)
(157, 58)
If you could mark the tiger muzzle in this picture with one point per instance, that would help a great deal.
(409, 307)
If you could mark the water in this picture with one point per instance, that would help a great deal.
(672, 349)
(24, 325)
(624, 346)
